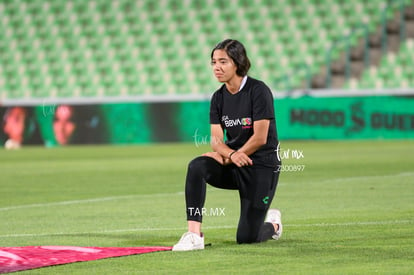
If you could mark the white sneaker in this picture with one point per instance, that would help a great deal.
(189, 241)
(274, 216)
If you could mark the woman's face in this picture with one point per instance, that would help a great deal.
(14, 124)
(63, 125)
(224, 68)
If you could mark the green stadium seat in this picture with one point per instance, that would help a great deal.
(394, 82)
(173, 38)
(395, 70)
(13, 85)
(67, 91)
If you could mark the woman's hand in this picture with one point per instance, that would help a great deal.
(215, 156)
(240, 159)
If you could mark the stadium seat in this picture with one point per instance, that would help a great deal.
(162, 47)
(395, 69)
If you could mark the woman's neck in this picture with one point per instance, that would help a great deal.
(233, 85)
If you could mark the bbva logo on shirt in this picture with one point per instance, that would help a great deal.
(246, 122)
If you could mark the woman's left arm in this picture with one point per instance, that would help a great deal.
(258, 139)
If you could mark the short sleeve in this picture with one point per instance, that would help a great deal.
(215, 109)
(262, 103)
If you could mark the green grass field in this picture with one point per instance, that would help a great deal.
(350, 211)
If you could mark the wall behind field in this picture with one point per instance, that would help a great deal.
(305, 117)
(346, 117)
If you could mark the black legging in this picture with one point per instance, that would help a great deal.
(256, 185)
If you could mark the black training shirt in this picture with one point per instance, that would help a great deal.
(236, 114)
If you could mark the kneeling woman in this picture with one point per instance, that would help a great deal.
(242, 109)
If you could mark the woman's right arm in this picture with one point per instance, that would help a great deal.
(217, 141)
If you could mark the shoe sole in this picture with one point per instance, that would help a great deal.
(193, 248)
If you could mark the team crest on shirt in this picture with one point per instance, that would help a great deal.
(245, 122)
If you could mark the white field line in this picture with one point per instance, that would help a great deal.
(36, 205)
(24, 206)
(372, 223)
(362, 178)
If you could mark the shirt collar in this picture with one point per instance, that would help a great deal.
(244, 80)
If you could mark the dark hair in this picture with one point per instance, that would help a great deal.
(236, 51)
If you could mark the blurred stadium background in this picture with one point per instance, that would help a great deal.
(138, 72)
(90, 52)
